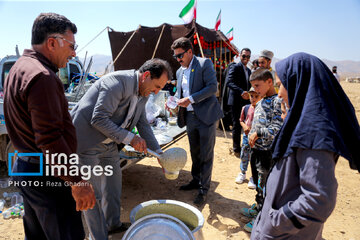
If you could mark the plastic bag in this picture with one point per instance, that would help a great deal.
(152, 110)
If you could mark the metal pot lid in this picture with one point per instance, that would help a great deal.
(158, 227)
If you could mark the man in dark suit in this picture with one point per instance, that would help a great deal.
(199, 111)
(227, 120)
(238, 83)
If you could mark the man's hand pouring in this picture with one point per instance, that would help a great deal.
(139, 144)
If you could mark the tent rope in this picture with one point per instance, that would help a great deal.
(92, 39)
(158, 41)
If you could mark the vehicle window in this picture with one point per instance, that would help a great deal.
(74, 68)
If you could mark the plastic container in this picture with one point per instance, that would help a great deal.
(14, 211)
(172, 121)
(16, 199)
(2, 204)
(160, 124)
(172, 102)
(9, 195)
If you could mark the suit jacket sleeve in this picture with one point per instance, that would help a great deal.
(235, 72)
(110, 94)
(209, 78)
(146, 132)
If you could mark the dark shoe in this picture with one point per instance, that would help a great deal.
(190, 186)
(200, 199)
(124, 226)
(237, 154)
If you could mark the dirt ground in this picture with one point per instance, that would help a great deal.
(145, 181)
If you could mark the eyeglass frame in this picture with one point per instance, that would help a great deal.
(180, 55)
(245, 56)
(73, 45)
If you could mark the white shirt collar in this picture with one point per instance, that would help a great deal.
(184, 68)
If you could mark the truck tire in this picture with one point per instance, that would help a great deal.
(9, 149)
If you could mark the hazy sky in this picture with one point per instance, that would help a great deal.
(326, 28)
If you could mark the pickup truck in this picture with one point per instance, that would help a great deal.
(74, 66)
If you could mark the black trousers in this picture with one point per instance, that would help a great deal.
(263, 162)
(236, 128)
(202, 142)
(50, 210)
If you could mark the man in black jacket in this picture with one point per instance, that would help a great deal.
(238, 83)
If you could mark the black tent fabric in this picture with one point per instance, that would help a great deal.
(142, 45)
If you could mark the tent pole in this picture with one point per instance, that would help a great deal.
(214, 55)
(221, 121)
(158, 41)
(220, 62)
(202, 53)
(225, 49)
(229, 57)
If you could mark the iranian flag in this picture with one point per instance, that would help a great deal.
(230, 35)
(218, 21)
(189, 12)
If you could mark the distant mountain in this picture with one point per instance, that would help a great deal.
(344, 67)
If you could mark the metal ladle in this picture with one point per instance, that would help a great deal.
(154, 154)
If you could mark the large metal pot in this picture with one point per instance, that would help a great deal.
(158, 227)
(186, 213)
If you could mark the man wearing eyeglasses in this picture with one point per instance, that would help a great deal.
(199, 111)
(38, 121)
(238, 84)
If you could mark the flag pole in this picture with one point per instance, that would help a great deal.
(220, 60)
(221, 121)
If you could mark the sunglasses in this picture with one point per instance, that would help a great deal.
(245, 56)
(73, 45)
(180, 55)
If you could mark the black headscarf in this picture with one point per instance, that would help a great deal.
(321, 116)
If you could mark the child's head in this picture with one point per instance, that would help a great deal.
(262, 81)
(254, 97)
(283, 110)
